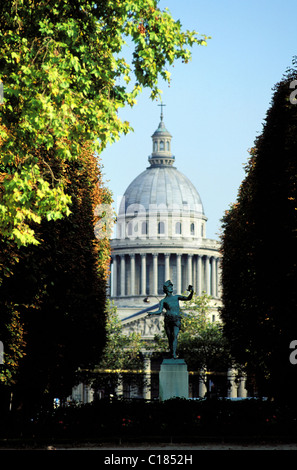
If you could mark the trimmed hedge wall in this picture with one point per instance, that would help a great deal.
(172, 419)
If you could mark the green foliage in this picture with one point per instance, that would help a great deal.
(121, 353)
(65, 78)
(259, 252)
(28, 198)
(13, 338)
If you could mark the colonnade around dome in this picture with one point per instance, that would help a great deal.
(144, 273)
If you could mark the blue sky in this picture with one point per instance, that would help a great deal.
(216, 104)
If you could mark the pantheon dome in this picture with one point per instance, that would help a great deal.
(161, 185)
(161, 234)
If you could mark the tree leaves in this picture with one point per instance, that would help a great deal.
(27, 198)
(61, 65)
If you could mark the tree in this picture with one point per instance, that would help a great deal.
(121, 353)
(201, 342)
(53, 303)
(65, 78)
(259, 252)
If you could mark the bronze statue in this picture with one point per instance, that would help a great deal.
(172, 319)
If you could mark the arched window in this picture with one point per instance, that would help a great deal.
(155, 146)
(202, 230)
(162, 145)
(130, 228)
(178, 228)
(192, 228)
(161, 228)
(144, 228)
(167, 145)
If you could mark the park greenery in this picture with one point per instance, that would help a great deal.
(259, 242)
(122, 355)
(67, 67)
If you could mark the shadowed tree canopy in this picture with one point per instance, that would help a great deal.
(259, 252)
(53, 303)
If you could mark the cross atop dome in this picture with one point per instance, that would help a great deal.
(162, 104)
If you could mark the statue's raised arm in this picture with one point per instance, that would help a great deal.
(188, 297)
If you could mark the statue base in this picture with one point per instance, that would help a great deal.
(173, 379)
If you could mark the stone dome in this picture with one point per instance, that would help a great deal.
(161, 186)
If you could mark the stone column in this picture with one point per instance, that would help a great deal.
(147, 377)
(213, 277)
(202, 386)
(207, 286)
(143, 274)
(115, 277)
(167, 266)
(120, 387)
(178, 274)
(123, 275)
(232, 389)
(198, 276)
(242, 391)
(155, 274)
(189, 269)
(132, 274)
(87, 394)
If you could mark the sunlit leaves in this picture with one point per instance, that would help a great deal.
(27, 198)
(63, 77)
(14, 343)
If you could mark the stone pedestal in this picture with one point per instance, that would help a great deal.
(173, 379)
